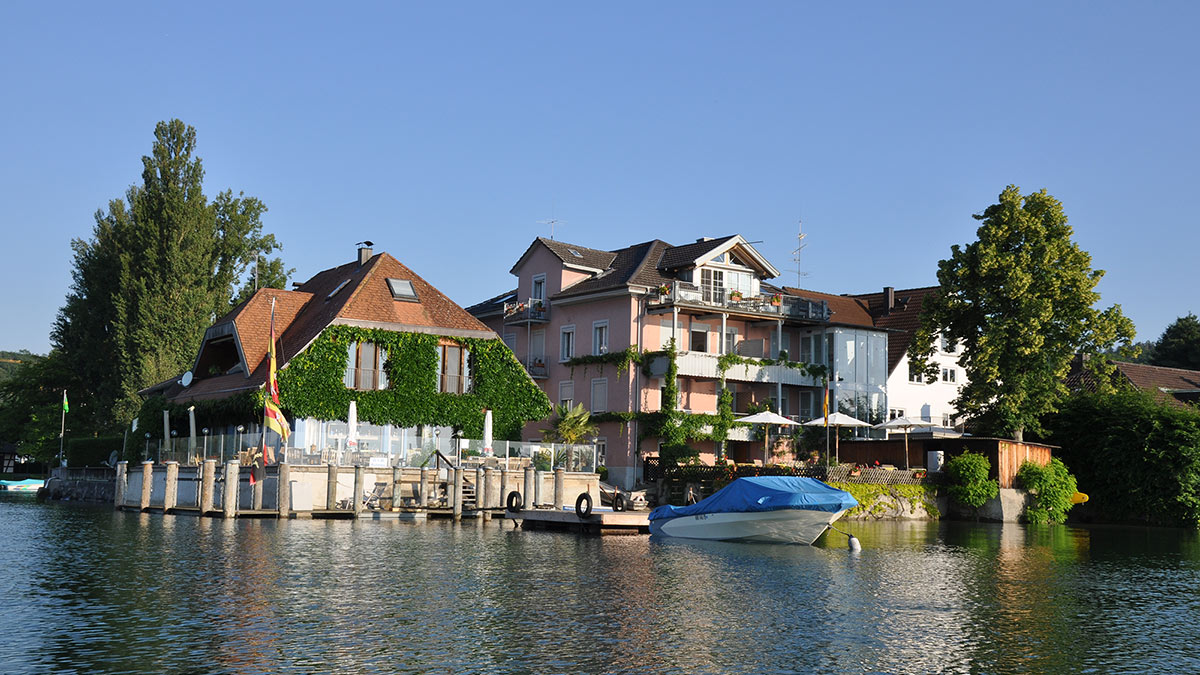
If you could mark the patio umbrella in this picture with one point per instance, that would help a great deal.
(904, 423)
(836, 419)
(487, 432)
(767, 417)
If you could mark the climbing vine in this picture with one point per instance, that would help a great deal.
(622, 360)
(312, 384)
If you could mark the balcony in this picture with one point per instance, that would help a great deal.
(701, 364)
(536, 369)
(532, 310)
(685, 295)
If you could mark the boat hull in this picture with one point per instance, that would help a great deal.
(785, 526)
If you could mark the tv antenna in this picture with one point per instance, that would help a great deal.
(552, 222)
(799, 247)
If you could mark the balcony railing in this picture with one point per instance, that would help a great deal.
(786, 306)
(531, 310)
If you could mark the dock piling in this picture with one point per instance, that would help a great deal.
(283, 492)
(331, 487)
(458, 491)
(488, 498)
(147, 483)
(423, 492)
(528, 497)
(171, 492)
(122, 483)
(356, 499)
(208, 479)
(560, 476)
(230, 498)
(397, 477)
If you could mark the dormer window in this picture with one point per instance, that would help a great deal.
(402, 289)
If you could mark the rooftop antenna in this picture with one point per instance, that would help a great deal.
(552, 222)
(799, 247)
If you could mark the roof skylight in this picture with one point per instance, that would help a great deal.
(575, 253)
(339, 287)
(402, 289)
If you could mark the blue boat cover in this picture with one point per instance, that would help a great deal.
(765, 493)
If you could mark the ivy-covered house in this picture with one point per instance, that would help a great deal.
(370, 331)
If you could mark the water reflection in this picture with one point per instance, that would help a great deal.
(92, 590)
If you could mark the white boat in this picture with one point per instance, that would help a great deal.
(776, 509)
(28, 485)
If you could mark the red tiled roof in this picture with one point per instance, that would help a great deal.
(903, 320)
(845, 309)
(1174, 385)
(362, 295)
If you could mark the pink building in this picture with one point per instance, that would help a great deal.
(712, 298)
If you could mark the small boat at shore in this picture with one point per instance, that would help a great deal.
(27, 485)
(776, 509)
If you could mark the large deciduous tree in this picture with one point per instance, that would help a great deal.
(161, 265)
(1021, 300)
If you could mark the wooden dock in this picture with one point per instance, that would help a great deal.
(598, 523)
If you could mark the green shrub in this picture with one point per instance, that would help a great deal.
(91, 451)
(968, 482)
(1052, 488)
(603, 471)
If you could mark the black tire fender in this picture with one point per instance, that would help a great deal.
(619, 502)
(514, 503)
(583, 505)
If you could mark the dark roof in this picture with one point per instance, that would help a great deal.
(631, 266)
(571, 254)
(845, 309)
(682, 256)
(902, 320)
(494, 305)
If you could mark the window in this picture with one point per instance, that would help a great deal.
(566, 393)
(538, 291)
(948, 374)
(699, 337)
(537, 345)
(665, 333)
(712, 285)
(601, 451)
(402, 289)
(915, 374)
(731, 339)
(566, 344)
(600, 395)
(806, 403)
(948, 345)
(454, 375)
(364, 366)
(946, 421)
(599, 337)
(895, 412)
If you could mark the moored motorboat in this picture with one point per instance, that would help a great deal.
(777, 509)
(28, 485)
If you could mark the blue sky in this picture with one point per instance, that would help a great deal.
(445, 132)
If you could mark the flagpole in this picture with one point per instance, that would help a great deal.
(62, 429)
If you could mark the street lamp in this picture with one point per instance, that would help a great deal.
(146, 452)
(240, 429)
(205, 432)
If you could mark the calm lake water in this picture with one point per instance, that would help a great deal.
(87, 589)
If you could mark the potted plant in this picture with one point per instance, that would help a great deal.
(664, 290)
(735, 296)
(776, 300)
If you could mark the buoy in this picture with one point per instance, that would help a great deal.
(854, 545)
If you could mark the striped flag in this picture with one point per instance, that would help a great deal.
(66, 407)
(272, 416)
(825, 402)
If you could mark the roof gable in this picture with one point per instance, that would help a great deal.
(572, 255)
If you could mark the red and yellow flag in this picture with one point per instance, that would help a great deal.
(825, 402)
(272, 416)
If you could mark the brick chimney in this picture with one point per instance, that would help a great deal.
(364, 252)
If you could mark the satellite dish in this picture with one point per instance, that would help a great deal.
(112, 459)
(187, 378)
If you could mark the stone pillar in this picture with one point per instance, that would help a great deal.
(357, 502)
(397, 481)
(208, 477)
(503, 488)
(147, 483)
(479, 478)
(230, 498)
(283, 491)
(331, 487)
(171, 493)
(423, 492)
(457, 498)
(560, 483)
(532, 492)
(122, 484)
(488, 499)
